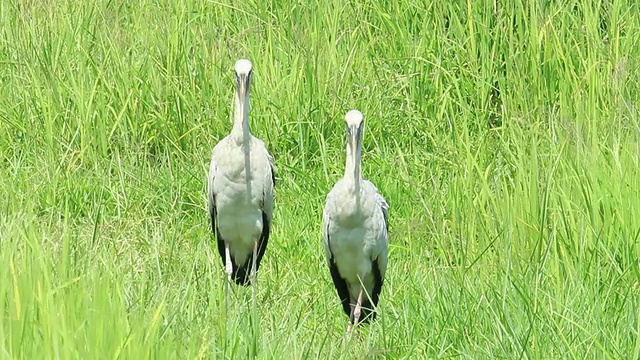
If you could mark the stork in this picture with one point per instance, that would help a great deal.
(355, 233)
(241, 182)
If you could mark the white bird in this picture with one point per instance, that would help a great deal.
(355, 232)
(241, 182)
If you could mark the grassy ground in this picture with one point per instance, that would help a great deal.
(507, 144)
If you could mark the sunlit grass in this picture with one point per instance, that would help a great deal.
(507, 144)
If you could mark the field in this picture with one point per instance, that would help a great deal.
(507, 143)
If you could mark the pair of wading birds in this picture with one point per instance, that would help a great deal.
(355, 218)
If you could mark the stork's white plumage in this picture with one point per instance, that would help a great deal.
(241, 182)
(355, 227)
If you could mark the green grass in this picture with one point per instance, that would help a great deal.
(508, 146)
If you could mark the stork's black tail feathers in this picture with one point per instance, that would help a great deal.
(241, 275)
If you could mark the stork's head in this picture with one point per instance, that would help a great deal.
(355, 123)
(244, 73)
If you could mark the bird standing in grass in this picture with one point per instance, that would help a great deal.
(241, 182)
(355, 226)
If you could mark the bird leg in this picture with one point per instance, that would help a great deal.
(351, 328)
(358, 309)
(254, 309)
(228, 264)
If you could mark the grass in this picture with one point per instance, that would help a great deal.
(507, 144)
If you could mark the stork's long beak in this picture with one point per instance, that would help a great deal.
(242, 88)
(354, 139)
(243, 71)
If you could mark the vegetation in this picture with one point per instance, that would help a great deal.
(507, 144)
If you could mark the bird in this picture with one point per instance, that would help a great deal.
(240, 189)
(355, 231)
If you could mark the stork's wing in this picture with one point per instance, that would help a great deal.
(384, 206)
(269, 185)
(325, 235)
(213, 169)
(273, 172)
(382, 203)
(267, 210)
(382, 256)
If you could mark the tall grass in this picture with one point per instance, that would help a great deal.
(507, 143)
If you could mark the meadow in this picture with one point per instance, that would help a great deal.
(507, 142)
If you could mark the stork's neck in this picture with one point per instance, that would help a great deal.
(241, 131)
(352, 168)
